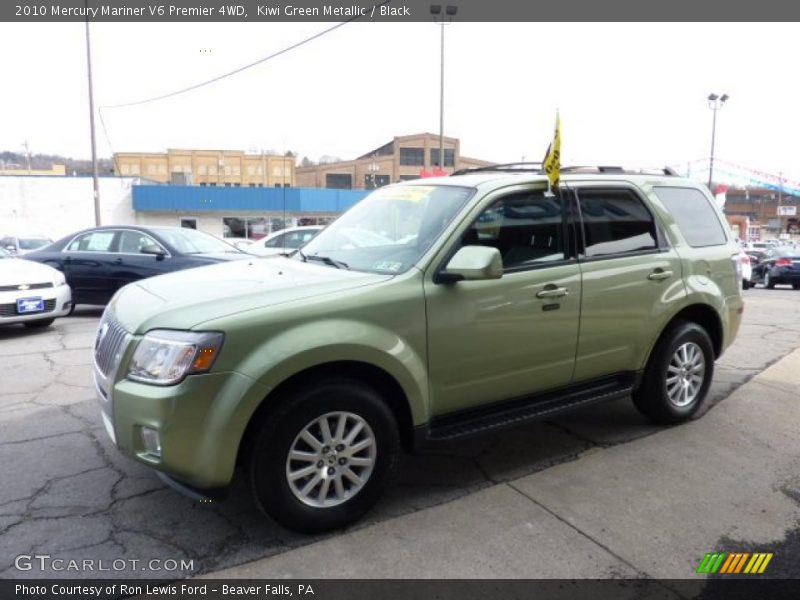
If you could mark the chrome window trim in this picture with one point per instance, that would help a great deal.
(167, 253)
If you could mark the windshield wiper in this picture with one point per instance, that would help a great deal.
(329, 261)
(303, 256)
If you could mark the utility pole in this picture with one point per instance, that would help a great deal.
(443, 17)
(95, 182)
(27, 156)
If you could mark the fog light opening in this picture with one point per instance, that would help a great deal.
(151, 441)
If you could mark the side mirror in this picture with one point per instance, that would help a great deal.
(153, 249)
(12, 249)
(473, 263)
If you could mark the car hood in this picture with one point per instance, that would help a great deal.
(15, 271)
(184, 299)
(221, 256)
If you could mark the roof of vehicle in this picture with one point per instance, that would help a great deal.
(532, 172)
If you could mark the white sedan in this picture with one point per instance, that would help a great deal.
(284, 241)
(31, 293)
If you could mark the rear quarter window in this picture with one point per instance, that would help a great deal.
(694, 214)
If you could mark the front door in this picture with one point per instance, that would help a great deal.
(505, 338)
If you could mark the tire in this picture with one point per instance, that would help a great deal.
(653, 396)
(301, 411)
(768, 283)
(745, 284)
(796, 286)
(41, 324)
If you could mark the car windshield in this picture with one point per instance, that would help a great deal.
(389, 230)
(33, 243)
(191, 241)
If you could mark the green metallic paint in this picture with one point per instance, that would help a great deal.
(448, 346)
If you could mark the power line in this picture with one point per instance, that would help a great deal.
(243, 68)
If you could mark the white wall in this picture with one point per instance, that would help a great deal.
(57, 206)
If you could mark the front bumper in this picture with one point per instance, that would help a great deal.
(200, 423)
(57, 302)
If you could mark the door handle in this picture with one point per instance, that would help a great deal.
(552, 292)
(117, 261)
(659, 274)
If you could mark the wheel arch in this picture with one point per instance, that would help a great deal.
(701, 314)
(376, 377)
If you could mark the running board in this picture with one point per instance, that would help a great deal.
(536, 408)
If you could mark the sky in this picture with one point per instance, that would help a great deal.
(628, 94)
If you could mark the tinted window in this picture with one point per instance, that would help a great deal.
(276, 241)
(132, 242)
(526, 228)
(696, 218)
(97, 241)
(615, 222)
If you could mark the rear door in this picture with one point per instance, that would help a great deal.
(87, 266)
(631, 279)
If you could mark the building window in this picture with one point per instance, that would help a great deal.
(124, 169)
(449, 157)
(237, 170)
(412, 157)
(251, 228)
(189, 223)
(339, 181)
(213, 183)
(408, 177)
(287, 185)
(135, 170)
(151, 169)
(237, 184)
(250, 169)
(278, 185)
(202, 183)
(201, 170)
(375, 181)
(252, 184)
(212, 170)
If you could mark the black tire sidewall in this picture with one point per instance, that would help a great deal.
(267, 468)
(651, 397)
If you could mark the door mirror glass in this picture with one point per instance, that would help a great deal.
(152, 249)
(475, 263)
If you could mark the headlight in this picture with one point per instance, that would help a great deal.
(165, 356)
(59, 279)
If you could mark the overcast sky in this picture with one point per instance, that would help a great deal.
(627, 93)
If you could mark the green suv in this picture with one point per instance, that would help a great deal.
(430, 311)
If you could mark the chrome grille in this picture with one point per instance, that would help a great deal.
(21, 287)
(108, 344)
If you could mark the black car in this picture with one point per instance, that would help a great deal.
(99, 261)
(780, 265)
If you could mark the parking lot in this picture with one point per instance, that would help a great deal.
(66, 491)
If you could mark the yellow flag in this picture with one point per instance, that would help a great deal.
(552, 160)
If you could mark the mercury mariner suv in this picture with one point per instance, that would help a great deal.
(431, 310)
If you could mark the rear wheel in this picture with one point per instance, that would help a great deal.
(768, 283)
(677, 376)
(745, 284)
(325, 456)
(41, 324)
(796, 286)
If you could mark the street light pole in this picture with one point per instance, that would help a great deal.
(95, 182)
(443, 18)
(714, 103)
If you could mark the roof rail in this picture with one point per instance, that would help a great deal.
(535, 167)
(516, 167)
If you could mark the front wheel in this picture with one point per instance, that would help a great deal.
(677, 376)
(768, 283)
(745, 284)
(325, 456)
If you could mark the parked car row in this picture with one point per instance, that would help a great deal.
(770, 263)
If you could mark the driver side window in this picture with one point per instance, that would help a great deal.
(526, 227)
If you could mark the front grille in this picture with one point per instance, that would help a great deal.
(10, 310)
(108, 343)
(31, 286)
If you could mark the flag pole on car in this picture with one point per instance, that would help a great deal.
(552, 159)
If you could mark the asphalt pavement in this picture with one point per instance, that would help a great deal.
(598, 493)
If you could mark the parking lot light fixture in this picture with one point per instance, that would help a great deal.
(443, 18)
(714, 103)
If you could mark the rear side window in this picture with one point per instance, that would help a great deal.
(615, 222)
(696, 218)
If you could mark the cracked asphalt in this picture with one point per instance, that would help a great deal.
(66, 492)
